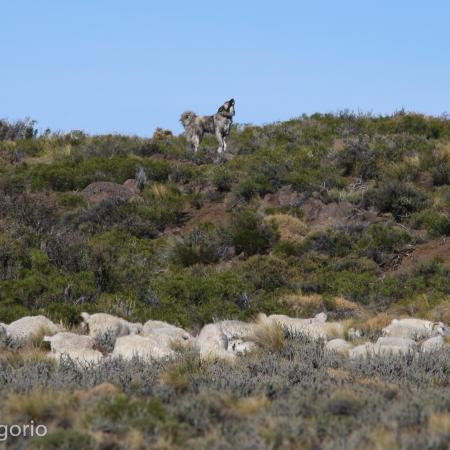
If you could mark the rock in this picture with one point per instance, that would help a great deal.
(132, 185)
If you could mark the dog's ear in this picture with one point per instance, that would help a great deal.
(231, 101)
(221, 109)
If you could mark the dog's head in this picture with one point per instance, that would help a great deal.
(227, 107)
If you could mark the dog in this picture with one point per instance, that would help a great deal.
(218, 124)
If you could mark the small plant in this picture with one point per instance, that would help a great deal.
(435, 223)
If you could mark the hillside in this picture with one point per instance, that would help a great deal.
(343, 213)
(338, 214)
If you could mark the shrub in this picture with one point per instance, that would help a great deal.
(223, 179)
(203, 245)
(71, 174)
(14, 131)
(435, 223)
(380, 241)
(400, 199)
(358, 159)
(250, 235)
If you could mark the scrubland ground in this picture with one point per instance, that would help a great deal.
(346, 214)
(296, 397)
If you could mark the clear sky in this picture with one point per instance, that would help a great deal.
(130, 66)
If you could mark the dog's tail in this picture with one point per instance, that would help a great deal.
(187, 118)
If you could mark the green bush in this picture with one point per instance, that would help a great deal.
(250, 235)
(435, 223)
(71, 174)
(61, 439)
(203, 245)
(223, 179)
(400, 199)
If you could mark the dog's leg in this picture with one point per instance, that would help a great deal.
(220, 140)
(222, 146)
(195, 142)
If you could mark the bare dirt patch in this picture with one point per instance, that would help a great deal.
(437, 248)
(211, 212)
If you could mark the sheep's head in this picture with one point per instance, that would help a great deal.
(439, 328)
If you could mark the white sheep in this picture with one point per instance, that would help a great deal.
(65, 342)
(362, 351)
(412, 328)
(237, 329)
(338, 345)
(81, 357)
(145, 347)
(432, 344)
(240, 347)
(166, 332)
(297, 325)
(213, 343)
(101, 323)
(394, 345)
(29, 326)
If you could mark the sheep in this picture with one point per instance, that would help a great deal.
(145, 347)
(240, 347)
(213, 343)
(65, 342)
(413, 328)
(394, 345)
(338, 345)
(362, 350)
(331, 329)
(166, 332)
(354, 334)
(298, 325)
(102, 323)
(28, 327)
(236, 329)
(432, 344)
(81, 357)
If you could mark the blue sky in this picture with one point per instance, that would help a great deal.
(130, 66)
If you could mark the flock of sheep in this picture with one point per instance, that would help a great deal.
(227, 339)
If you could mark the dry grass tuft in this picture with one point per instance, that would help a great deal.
(309, 305)
(377, 323)
(291, 228)
(269, 336)
(30, 355)
(304, 305)
(339, 374)
(43, 406)
(381, 438)
(247, 406)
(179, 374)
(439, 423)
(159, 190)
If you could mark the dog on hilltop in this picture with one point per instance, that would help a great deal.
(218, 124)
